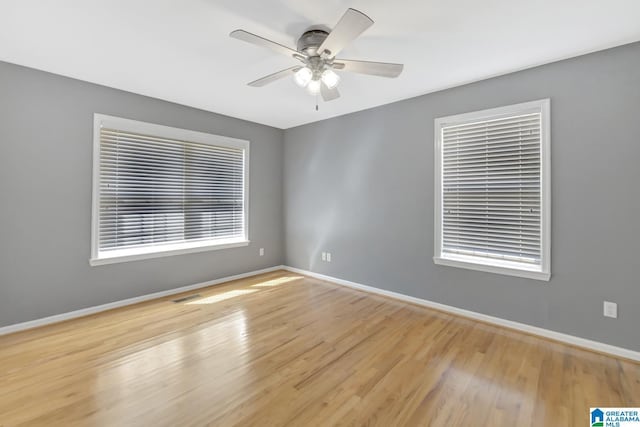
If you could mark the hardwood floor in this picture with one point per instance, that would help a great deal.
(282, 349)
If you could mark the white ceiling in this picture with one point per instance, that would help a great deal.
(179, 50)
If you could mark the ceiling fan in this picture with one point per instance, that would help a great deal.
(317, 50)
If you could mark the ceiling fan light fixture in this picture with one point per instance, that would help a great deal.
(303, 76)
(314, 87)
(317, 49)
(330, 78)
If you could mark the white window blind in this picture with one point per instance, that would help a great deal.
(491, 207)
(164, 190)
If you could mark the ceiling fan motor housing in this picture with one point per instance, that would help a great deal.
(310, 41)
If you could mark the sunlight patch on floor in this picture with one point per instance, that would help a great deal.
(221, 297)
(276, 282)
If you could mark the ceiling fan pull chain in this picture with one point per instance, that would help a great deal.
(316, 102)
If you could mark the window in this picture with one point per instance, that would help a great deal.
(492, 190)
(161, 191)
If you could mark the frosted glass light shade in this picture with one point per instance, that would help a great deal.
(330, 78)
(303, 76)
(314, 87)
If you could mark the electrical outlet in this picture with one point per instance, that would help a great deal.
(261, 251)
(328, 256)
(610, 309)
(324, 256)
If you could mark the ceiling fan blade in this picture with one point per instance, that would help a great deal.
(381, 69)
(351, 25)
(262, 42)
(329, 94)
(273, 77)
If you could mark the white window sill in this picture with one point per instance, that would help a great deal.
(136, 254)
(494, 266)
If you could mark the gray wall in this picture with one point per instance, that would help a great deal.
(46, 131)
(361, 187)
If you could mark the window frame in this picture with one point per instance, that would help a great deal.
(123, 124)
(541, 272)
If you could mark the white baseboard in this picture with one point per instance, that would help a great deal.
(510, 324)
(97, 309)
